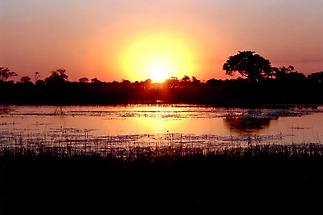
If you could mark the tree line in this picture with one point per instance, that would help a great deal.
(257, 82)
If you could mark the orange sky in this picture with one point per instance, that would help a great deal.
(90, 38)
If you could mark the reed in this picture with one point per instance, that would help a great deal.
(129, 147)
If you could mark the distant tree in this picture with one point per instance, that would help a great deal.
(115, 83)
(288, 74)
(6, 74)
(316, 77)
(125, 82)
(95, 81)
(173, 82)
(25, 79)
(212, 81)
(137, 84)
(195, 81)
(57, 77)
(249, 65)
(296, 76)
(282, 72)
(40, 83)
(186, 79)
(147, 83)
(84, 80)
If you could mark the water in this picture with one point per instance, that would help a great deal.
(149, 125)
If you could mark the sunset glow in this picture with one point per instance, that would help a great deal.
(157, 57)
(139, 39)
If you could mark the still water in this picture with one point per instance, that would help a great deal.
(145, 124)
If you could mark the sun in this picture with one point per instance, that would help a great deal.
(159, 71)
(157, 57)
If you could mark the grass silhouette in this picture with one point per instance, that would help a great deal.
(238, 178)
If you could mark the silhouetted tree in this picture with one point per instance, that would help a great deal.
(282, 72)
(288, 74)
(57, 77)
(95, 81)
(296, 76)
(125, 82)
(186, 79)
(147, 83)
(195, 81)
(212, 82)
(6, 74)
(40, 83)
(316, 77)
(249, 65)
(84, 80)
(25, 79)
(173, 82)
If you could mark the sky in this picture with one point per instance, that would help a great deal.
(92, 38)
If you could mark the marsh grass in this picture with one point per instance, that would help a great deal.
(73, 172)
(130, 147)
(111, 178)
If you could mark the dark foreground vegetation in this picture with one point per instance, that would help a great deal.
(258, 83)
(257, 179)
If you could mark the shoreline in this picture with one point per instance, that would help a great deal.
(254, 106)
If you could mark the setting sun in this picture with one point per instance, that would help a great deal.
(157, 57)
(159, 71)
